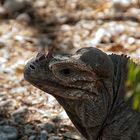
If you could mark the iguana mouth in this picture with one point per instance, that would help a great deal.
(48, 85)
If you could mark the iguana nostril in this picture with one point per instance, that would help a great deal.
(32, 67)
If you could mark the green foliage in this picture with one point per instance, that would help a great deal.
(133, 83)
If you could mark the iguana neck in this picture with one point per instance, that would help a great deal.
(119, 79)
(122, 119)
(83, 114)
(122, 124)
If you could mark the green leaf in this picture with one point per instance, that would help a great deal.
(136, 102)
(133, 84)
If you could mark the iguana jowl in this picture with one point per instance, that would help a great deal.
(90, 85)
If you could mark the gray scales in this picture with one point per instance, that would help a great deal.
(90, 85)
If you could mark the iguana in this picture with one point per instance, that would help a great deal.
(90, 85)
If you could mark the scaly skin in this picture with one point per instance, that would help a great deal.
(90, 86)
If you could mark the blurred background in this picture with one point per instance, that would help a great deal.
(113, 26)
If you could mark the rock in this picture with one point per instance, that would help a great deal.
(43, 41)
(2, 136)
(28, 129)
(50, 127)
(8, 133)
(5, 103)
(44, 135)
(14, 5)
(19, 114)
(63, 115)
(20, 111)
(19, 120)
(56, 119)
(40, 3)
(121, 5)
(24, 17)
(71, 136)
(54, 138)
(2, 11)
(33, 137)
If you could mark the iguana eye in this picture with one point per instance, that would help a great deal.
(66, 72)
